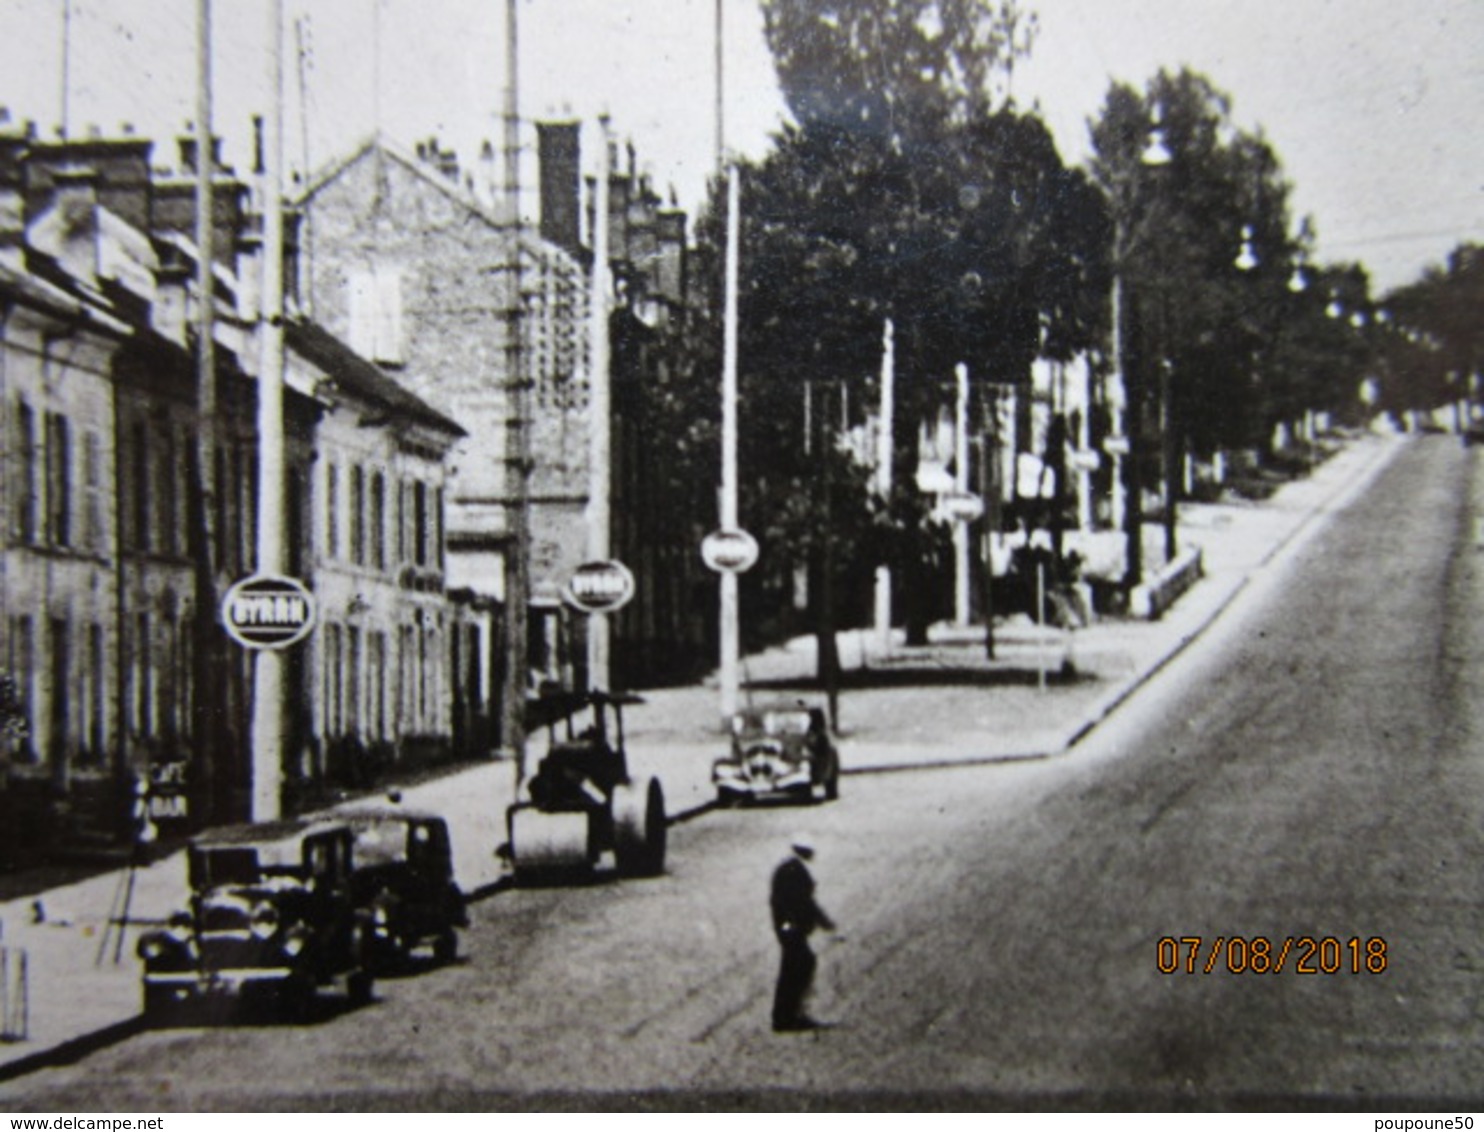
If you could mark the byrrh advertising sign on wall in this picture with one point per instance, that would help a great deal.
(268, 611)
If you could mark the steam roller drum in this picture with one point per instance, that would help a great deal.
(639, 827)
(541, 840)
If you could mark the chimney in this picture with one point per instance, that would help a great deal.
(13, 146)
(559, 146)
(67, 227)
(187, 147)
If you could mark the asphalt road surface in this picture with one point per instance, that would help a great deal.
(1311, 770)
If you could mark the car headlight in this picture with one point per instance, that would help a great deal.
(264, 922)
(294, 942)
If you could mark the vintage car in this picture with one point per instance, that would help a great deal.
(271, 920)
(403, 877)
(779, 749)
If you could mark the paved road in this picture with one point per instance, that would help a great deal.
(1314, 767)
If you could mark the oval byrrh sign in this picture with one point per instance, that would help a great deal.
(600, 587)
(268, 611)
(729, 551)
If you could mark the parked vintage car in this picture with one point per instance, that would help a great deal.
(271, 920)
(779, 749)
(403, 877)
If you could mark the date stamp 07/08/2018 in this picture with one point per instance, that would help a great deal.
(1261, 955)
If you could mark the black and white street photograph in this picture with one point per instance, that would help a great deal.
(803, 556)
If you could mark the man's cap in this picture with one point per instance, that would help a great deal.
(802, 841)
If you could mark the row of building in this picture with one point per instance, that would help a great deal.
(129, 512)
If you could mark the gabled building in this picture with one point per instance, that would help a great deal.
(413, 271)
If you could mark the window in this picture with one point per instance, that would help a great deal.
(58, 633)
(332, 513)
(143, 677)
(438, 530)
(420, 523)
(376, 684)
(353, 681)
(96, 693)
(169, 532)
(58, 481)
(334, 682)
(402, 515)
(422, 679)
(184, 680)
(22, 665)
(23, 519)
(168, 703)
(92, 478)
(142, 512)
(378, 521)
(358, 515)
(376, 314)
(409, 679)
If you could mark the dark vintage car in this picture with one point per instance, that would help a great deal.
(271, 920)
(779, 749)
(403, 877)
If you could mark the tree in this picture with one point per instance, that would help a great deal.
(1182, 227)
(1437, 350)
(909, 188)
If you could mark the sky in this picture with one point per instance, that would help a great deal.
(1375, 108)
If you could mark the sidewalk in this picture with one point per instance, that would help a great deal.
(942, 703)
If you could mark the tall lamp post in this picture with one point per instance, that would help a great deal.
(1155, 154)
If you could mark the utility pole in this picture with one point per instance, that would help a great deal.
(884, 455)
(1133, 505)
(731, 635)
(729, 614)
(600, 425)
(268, 664)
(1171, 446)
(721, 141)
(66, 90)
(518, 456)
(961, 485)
(826, 642)
(205, 719)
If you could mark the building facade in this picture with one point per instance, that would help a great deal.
(119, 538)
(419, 275)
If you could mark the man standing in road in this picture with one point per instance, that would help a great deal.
(795, 915)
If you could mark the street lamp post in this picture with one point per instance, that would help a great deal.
(1155, 154)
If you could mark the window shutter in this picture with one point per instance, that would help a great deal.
(388, 316)
(363, 313)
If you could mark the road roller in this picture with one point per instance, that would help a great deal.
(581, 809)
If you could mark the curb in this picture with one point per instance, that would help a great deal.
(72, 1049)
(1326, 506)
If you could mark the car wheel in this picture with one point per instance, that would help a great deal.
(360, 987)
(159, 1005)
(295, 1000)
(446, 946)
